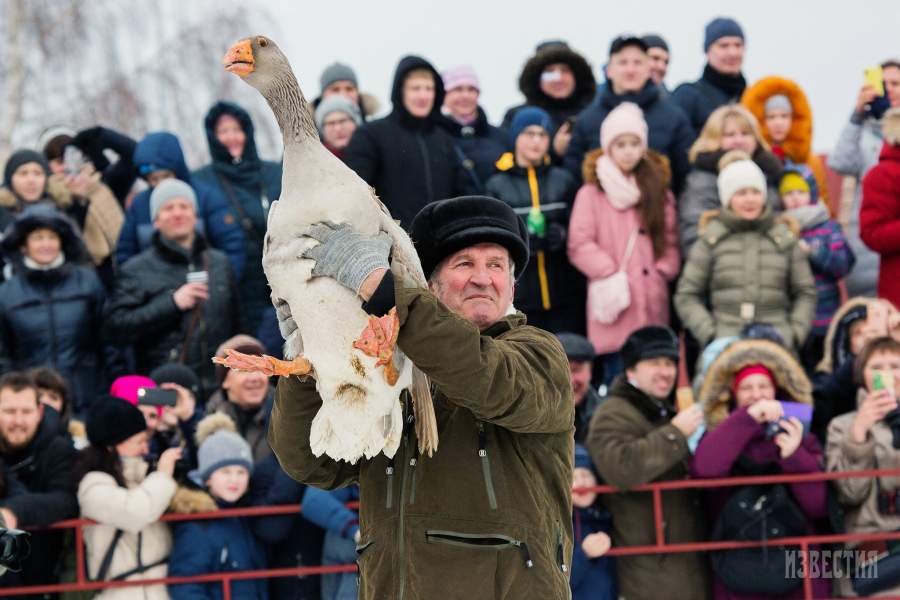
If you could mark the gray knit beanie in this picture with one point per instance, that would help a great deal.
(167, 190)
(221, 449)
(778, 102)
(336, 103)
(337, 72)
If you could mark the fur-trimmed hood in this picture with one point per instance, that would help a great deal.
(715, 393)
(657, 160)
(838, 334)
(191, 500)
(798, 144)
(530, 79)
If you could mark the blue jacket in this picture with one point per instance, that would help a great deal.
(254, 185)
(698, 99)
(215, 217)
(592, 578)
(327, 510)
(670, 133)
(291, 540)
(216, 546)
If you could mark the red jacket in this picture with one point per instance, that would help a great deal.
(879, 219)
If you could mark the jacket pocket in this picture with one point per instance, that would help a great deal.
(486, 466)
(479, 541)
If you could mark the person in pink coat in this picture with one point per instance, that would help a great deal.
(624, 219)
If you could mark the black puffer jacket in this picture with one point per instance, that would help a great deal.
(479, 145)
(409, 161)
(551, 292)
(530, 85)
(44, 468)
(143, 313)
(50, 317)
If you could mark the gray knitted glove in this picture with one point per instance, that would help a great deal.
(346, 255)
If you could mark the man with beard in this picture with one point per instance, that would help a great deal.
(42, 461)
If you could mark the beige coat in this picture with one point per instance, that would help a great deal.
(135, 510)
(859, 496)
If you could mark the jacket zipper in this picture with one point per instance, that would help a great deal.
(428, 184)
(491, 541)
(389, 471)
(560, 557)
(486, 466)
(412, 473)
(401, 559)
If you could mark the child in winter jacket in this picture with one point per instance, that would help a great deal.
(550, 292)
(624, 221)
(224, 463)
(747, 265)
(879, 215)
(593, 575)
(822, 240)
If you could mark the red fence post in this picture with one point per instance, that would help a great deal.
(226, 589)
(807, 582)
(79, 555)
(658, 517)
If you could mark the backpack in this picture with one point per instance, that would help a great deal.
(757, 513)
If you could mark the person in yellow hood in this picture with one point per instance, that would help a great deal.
(551, 291)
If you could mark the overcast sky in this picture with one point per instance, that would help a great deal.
(824, 46)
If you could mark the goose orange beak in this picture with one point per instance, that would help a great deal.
(239, 59)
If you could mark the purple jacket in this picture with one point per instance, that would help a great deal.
(740, 435)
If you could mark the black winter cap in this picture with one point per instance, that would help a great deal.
(447, 226)
(623, 41)
(576, 346)
(653, 40)
(111, 421)
(649, 342)
(23, 157)
(176, 373)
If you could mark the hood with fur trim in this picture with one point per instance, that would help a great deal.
(798, 144)
(530, 79)
(655, 159)
(770, 222)
(838, 335)
(715, 393)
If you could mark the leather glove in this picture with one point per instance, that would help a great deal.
(346, 255)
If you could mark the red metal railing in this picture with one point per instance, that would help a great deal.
(660, 547)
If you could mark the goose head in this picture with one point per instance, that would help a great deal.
(258, 61)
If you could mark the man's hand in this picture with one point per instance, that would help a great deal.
(349, 257)
(866, 96)
(596, 544)
(187, 296)
(688, 420)
(11, 521)
(562, 138)
(79, 185)
(185, 403)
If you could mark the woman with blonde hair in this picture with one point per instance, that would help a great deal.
(728, 128)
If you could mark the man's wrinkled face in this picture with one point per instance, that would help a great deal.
(476, 283)
(580, 375)
(20, 416)
(654, 376)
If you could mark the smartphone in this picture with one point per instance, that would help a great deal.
(883, 380)
(73, 160)
(198, 277)
(874, 76)
(157, 397)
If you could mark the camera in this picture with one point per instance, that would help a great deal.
(15, 547)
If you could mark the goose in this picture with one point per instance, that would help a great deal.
(359, 372)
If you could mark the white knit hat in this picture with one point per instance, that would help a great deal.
(739, 175)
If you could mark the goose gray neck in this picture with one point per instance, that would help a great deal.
(291, 109)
